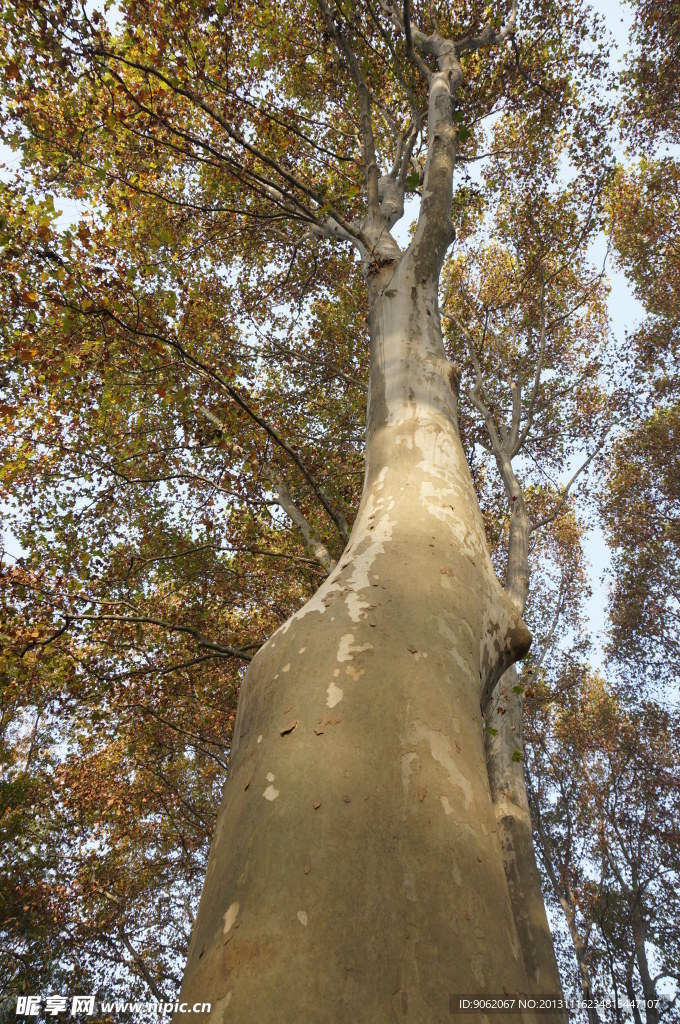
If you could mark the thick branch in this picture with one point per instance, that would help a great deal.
(517, 438)
(141, 966)
(234, 394)
(239, 167)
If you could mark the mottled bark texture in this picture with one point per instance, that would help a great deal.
(356, 874)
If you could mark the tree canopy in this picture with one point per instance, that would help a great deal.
(203, 199)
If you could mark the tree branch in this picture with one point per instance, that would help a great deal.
(309, 535)
(565, 492)
(173, 627)
(337, 517)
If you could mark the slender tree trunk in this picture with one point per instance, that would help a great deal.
(355, 873)
(632, 997)
(648, 989)
(565, 899)
(584, 974)
(508, 790)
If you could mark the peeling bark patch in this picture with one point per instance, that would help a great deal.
(270, 792)
(360, 565)
(355, 607)
(323, 722)
(422, 792)
(286, 668)
(347, 647)
(448, 809)
(259, 738)
(302, 917)
(440, 749)
(354, 673)
(455, 649)
(230, 917)
(431, 497)
(220, 1007)
(289, 727)
(406, 770)
(335, 695)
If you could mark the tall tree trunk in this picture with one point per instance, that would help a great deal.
(356, 873)
(508, 790)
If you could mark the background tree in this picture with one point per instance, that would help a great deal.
(640, 508)
(604, 804)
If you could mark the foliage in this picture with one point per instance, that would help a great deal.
(651, 81)
(184, 374)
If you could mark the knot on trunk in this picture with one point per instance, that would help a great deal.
(519, 640)
(507, 640)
